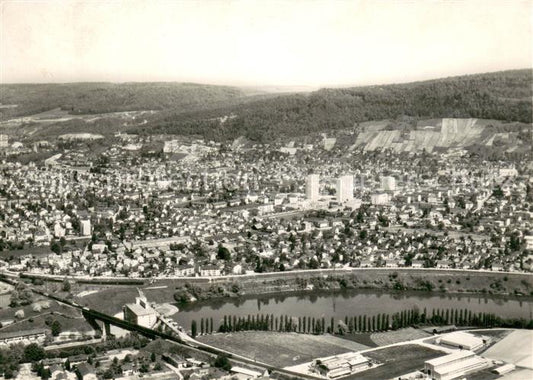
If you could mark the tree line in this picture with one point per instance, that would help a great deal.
(356, 323)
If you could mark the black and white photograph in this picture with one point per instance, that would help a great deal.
(255, 189)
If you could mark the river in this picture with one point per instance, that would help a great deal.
(339, 304)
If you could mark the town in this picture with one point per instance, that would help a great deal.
(230, 210)
(151, 209)
(266, 190)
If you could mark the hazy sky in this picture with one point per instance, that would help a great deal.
(261, 42)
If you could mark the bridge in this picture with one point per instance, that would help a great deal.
(93, 315)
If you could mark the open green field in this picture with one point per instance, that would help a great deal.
(9, 313)
(109, 300)
(281, 349)
(398, 360)
(390, 337)
(68, 323)
(363, 338)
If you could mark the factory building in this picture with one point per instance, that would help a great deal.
(462, 340)
(455, 365)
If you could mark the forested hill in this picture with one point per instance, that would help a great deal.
(92, 98)
(502, 95)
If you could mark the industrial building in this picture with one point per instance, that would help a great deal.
(462, 340)
(341, 365)
(140, 312)
(455, 365)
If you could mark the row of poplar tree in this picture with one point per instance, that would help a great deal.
(352, 324)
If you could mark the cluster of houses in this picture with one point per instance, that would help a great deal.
(124, 214)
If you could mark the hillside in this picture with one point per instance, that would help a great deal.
(434, 134)
(502, 96)
(37, 111)
(94, 98)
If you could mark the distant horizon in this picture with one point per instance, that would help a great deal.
(280, 43)
(271, 86)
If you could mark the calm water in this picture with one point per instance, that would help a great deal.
(352, 303)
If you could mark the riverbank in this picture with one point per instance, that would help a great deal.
(429, 281)
(449, 282)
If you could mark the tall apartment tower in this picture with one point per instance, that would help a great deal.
(312, 187)
(388, 183)
(345, 188)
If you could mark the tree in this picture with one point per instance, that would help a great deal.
(33, 353)
(222, 361)
(66, 285)
(56, 328)
(223, 253)
(56, 247)
(194, 329)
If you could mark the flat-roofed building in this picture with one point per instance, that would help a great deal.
(379, 199)
(506, 368)
(312, 187)
(4, 141)
(388, 183)
(341, 365)
(345, 188)
(86, 227)
(463, 340)
(455, 365)
(24, 337)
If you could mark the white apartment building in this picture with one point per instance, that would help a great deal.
(345, 188)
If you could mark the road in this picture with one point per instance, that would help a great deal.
(232, 277)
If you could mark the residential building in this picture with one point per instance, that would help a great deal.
(86, 227)
(388, 183)
(345, 188)
(379, 198)
(312, 187)
(529, 242)
(24, 337)
(4, 141)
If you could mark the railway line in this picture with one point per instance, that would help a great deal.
(90, 313)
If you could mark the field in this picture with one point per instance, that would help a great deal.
(69, 318)
(9, 313)
(391, 337)
(68, 323)
(398, 360)
(362, 338)
(514, 348)
(110, 300)
(281, 349)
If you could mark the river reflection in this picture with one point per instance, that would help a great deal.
(339, 304)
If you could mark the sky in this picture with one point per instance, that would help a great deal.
(261, 43)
